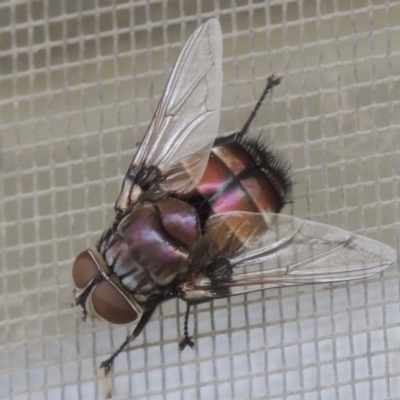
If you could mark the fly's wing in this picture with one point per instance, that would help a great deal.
(291, 252)
(184, 126)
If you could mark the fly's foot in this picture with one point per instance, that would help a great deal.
(273, 80)
(107, 365)
(186, 341)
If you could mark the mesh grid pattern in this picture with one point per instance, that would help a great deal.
(79, 82)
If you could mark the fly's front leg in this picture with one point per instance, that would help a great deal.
(107, 364)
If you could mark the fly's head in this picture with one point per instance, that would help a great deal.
(99, 293)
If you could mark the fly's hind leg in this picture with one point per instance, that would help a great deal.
(187, 340)
(271, 82)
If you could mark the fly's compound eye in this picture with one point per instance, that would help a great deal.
(85, 270)
(110, 304)
(99, 296)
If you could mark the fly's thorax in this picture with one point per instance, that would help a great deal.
(151, 245)
(99, 292)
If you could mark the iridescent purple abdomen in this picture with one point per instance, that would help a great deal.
(241, 176)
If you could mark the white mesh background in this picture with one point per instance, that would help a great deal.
(78, 84)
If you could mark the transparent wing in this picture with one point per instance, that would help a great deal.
(291, 252)
(184, 126)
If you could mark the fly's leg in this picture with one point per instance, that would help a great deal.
(107, 364)
(186, 341)
(271, 82)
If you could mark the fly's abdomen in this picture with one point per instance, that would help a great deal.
(152, 243)
(242, 175)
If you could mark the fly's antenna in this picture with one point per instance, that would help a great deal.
(271, 82)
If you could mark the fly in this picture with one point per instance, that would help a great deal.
(198, 217)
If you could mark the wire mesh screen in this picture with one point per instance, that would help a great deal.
(79, 82)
